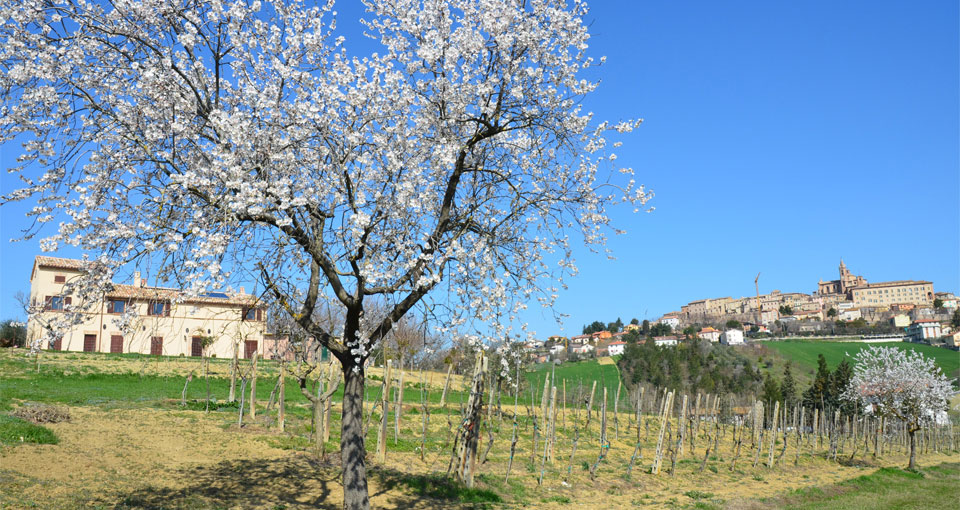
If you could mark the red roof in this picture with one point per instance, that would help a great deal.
(618, 342)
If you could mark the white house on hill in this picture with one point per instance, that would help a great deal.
(732, 337)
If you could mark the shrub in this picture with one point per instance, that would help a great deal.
(42, 413)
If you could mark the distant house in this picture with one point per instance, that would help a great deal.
(616, 348)
(949, 300)
(901, 320)
(769, 316)
(665, 341)
(732, 337)
(670, 320)
(710, 334)
(557, 349)
(601, 335)
(581, 349)
(163, 321)
(580, 339)
(924, 330)
(813, 315)
(850, 314)
(953, 339)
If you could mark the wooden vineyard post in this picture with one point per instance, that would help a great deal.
(759, 419)
(446, 384)
(513, 449)
(253, 388)
(616, 412)
(234, 370)
(590, 405)
(243, 390)
(773, 432)
(548, 435)
(639, 410)
(604, 444)
(563, 413)
(736, 453)
(384, 408)
(545, 400)
(664, 417)
(398, 407)
(281, 412)
(468, 434)
(332, 383)
(425, 415)
(696, 421)
(682, 425)
(553, 424)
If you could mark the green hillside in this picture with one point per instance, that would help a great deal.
(803, 353)
(586, 371)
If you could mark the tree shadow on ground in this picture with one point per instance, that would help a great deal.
(296, 481)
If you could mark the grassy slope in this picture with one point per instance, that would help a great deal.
(585, 371)
(804, 353)
(53, 385)
(935, 487)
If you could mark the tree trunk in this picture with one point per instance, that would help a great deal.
(913, 447)
(352, 451)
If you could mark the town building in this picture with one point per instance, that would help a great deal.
(732, 337)
(924, 330)
(143, 319)
(670, 320)
(900, 320)
(616, 348)
(665, 341)
(914, 292)
(709, 333)
(850, 314)
(842, 286)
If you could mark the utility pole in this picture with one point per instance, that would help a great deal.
(756, 285)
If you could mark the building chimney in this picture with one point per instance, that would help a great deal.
(136, 279)
(242, 291)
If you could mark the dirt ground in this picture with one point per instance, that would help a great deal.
(157, 458)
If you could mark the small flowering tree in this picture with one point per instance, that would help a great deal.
(445, 169)
(901, 384)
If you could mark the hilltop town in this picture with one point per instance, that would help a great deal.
(849, 306)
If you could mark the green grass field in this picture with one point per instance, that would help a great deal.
(933, 487)
(14, 431)
(575, 373)
(804, 353)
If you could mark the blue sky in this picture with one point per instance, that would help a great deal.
(778, 138)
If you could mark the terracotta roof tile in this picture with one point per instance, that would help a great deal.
(148, 293)
(59, 263)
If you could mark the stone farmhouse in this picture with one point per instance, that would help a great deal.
(163, 322)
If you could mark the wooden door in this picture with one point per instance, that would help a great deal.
(196, 348)
(116, 343)
(249, 347)
(156, 345)
(89, 343)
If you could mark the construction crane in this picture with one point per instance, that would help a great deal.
(756, 285)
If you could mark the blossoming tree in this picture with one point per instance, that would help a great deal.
(230, 140)
(901, 384)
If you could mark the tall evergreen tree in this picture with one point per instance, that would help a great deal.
(818, 395)
(771, 394)
(788, 388)
(839, 381)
